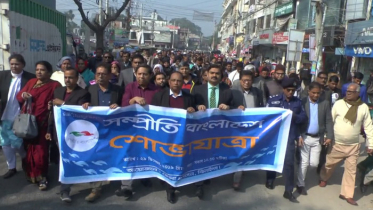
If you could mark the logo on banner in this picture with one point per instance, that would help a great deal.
(81, 135)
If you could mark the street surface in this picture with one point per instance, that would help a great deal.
(16, 194)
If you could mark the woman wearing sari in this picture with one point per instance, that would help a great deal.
(40, 91)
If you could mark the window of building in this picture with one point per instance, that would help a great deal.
(133, 35)
(253, 26)
(268, 21)
(261, 22)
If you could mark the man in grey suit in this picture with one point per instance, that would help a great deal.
(127, 75)
(245, 96)
(319, 122)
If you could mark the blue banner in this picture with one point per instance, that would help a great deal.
(141, 142)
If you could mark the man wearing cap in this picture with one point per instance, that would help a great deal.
(274, 87)
(286, 100)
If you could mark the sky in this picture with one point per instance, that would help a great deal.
(167, 9)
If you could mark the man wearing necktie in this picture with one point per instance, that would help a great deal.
(213, 94)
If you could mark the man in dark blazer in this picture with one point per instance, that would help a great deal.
(318, 124)
(175, 97)
(11, 82)
(71, 94)
(127, 75)
(214, 94)
(246, 95)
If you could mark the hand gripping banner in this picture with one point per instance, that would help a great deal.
(138, 142)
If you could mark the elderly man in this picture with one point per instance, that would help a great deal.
(349, 115)
(357, 79)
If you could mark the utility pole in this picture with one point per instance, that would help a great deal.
(153, 22)
(173, 36)
(100, 9)
(321, 8)
(213, 38)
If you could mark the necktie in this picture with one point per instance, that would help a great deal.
(213, 98)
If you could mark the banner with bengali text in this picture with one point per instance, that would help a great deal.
(138, 142)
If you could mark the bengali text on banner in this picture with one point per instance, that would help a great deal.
(141, 142)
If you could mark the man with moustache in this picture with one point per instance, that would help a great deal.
(160, 80)
(174, 97)
(71, 94)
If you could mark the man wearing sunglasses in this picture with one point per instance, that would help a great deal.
(274, 87)
(287, 100)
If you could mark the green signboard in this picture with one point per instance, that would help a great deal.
(284, 9)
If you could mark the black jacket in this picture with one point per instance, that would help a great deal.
(116, 94)
(162, 98)
(201, 95)
(78, 96)
(5, 80)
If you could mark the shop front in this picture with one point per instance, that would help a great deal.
(359, 44)
(263, 45)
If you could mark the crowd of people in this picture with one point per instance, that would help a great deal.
(325, 126)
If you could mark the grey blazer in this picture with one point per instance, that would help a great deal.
(126, 77)
(257, 83)
(238, 97)
(325, 119)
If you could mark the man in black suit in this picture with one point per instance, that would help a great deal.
(11, 82)
(127, 75)
(72, 94)
(175, 97)
(125, 58)
(214, 94)
(103, 93)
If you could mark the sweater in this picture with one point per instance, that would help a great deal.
(344, 132)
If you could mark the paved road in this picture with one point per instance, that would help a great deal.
(16, 193)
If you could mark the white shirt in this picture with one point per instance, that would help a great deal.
(234, 75)
(172, 94)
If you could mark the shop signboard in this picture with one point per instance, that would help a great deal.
(295, 46)
(284, 9)
(280, 38)
(359, 33)
(266, 37)
(362, 51)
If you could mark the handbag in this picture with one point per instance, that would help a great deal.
(25, 125)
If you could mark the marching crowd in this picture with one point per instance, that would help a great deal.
(325, 127)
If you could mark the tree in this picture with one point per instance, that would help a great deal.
(70, 24)
(185, 23)
(95, 26)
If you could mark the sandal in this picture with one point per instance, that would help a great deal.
(43, 185)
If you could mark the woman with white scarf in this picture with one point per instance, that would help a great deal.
(11, 82)
(157, 68)
(62, 65)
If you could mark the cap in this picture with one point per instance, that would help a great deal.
(249, 67)
(288, 82)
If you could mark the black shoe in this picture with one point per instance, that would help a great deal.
(146, 182)
(199, 192)
(270, 185)
(10, 173)
(302, 190)
(363, 188)
(65, 197)
(290, 197)
(171, 197)
(124, 192)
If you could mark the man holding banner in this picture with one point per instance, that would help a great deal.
(288, 101)
(103, 93)
(139, 92)
(174, 97)
(72, 94)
